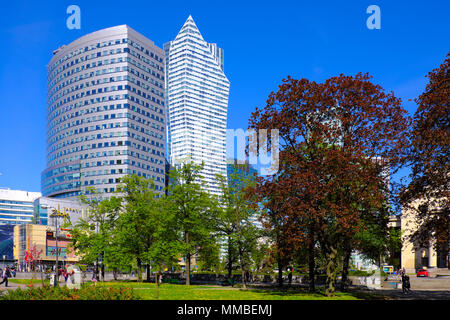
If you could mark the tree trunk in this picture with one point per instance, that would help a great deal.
(331, 271)
(188, 261)
(230, 261)
(103, 266)
(103, 272)
(156, 285)
(312, 264)
(345, 265)
(115, 274)
(148, 272)
(244, 285)
(280, 272)
(138, 262)
(241, 259)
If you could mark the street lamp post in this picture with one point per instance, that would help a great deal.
(57, 253)
(56, 214)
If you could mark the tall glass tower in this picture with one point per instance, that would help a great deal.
(105, 113)
(196, 103)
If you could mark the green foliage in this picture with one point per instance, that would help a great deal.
(360, 273)
(92, 236)
(146, 231)
(234, 221)
(86, 292)
(193, 210)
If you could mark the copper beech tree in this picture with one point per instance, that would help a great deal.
(427, 194)
(338, 142)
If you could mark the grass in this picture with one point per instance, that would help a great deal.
(36, 281)
(146, 291)
(207, 292)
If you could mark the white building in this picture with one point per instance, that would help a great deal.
(196, 103)
(16, 206)
(105, 113)
(72, 210)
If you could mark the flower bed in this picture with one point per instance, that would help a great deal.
(86, 292)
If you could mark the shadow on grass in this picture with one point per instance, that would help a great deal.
(265, 292)
(318, 294)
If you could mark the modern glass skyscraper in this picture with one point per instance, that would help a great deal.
(105, 113)
(196, 103)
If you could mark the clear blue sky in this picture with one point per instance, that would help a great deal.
(264, 41)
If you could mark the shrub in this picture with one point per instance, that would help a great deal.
(86, 292)
(360, 273)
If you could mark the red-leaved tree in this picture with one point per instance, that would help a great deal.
(339, 140)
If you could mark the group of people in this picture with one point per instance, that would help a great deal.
(65, 273)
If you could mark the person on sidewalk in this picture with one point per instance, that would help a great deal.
(6, 275)
(406, 285)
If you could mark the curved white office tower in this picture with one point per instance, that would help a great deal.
(196, 103)
(105, 113)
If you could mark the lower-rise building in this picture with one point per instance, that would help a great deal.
(36, 247)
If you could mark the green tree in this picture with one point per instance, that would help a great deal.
(193, 209)
(235, 220)
(92, 235)
(146, 230)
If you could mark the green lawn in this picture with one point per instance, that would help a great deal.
(36, 281)
(146, 291)
(204, 292)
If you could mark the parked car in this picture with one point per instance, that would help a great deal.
(422, 273)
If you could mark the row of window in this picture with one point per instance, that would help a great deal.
(108, 154)
(90, 75)
(142, 129)
(26, 208)
(100, 109)
(104, 126)
(54, 94)
(51, 177)
(102, 45)
(77, 184)
(108, 126)
(108, 116)
(17, 202)
(106, 145)
(103, 81)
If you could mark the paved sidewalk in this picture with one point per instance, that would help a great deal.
(422, 294)
(12, 286)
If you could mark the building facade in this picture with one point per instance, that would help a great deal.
(35, 246)
(196, 103)
(73, 210)
(105, 113)
(16, 206)
(415, 256)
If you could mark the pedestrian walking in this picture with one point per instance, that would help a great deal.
(6, 274)
(65, 275)
(290, 276)
(406, 285)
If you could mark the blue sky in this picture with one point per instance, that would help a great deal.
(264, 41)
